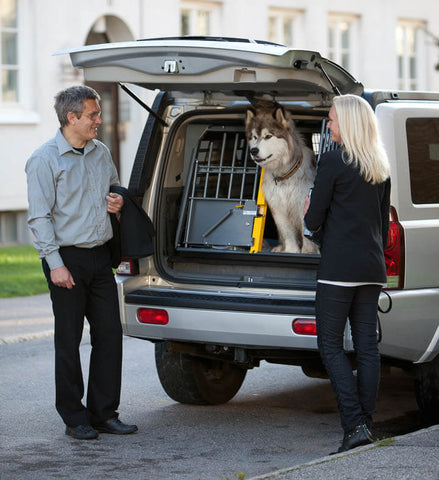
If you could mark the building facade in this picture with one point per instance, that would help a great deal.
(388, 44)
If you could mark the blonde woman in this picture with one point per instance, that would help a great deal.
(349, 207)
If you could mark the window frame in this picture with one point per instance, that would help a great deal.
(23, 110)
(6, 67)
(337, 51)
(282, 16)
(194, 9)
(404, 55)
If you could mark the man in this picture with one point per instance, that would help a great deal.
(69, 179)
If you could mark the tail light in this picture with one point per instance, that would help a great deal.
(394, 252)
(128, 267)
(152, 316)
(305, 326)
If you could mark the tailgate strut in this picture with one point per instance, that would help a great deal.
(144, 105)
(334, 87)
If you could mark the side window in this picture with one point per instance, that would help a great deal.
(423, 150)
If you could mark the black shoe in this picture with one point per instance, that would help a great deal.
(82, 432)
(360, 435)
(114, 425)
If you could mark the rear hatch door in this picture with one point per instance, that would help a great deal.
(236, 66)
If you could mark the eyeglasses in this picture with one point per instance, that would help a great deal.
(93, 116)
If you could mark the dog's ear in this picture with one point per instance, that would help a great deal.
(251, 113)
(279, 115)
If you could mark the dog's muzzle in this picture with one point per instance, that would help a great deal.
(254, 152)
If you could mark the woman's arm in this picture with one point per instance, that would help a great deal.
(321, 194)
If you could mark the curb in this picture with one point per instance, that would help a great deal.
(14, 339)
(11, 339)
(330, 458)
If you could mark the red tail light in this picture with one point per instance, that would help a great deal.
(153, 316)
(394, 252)
(305, 326)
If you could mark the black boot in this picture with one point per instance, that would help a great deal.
(360, 435)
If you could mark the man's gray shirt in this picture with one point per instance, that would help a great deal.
(66, 193)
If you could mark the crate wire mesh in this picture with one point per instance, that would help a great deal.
(219, 201)
(220, 197)
(325, 144)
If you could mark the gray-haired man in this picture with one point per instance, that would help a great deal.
(69, 179)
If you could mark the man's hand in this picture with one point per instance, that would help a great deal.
(61, 277)
(114, 203)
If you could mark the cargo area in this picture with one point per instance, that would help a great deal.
(214, 221)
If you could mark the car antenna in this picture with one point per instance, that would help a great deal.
(144, 105)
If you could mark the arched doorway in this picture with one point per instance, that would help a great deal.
(106, 29)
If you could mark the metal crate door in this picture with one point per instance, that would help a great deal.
(219, 201)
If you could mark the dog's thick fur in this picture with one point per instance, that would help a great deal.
(276, 145)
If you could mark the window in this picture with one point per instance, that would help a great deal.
(342, 40)
(199, 18)
(408, 51)
(423, 150)
(13, 228)
(8, 228)
(283, 26)
(9, 51)
(17, 76)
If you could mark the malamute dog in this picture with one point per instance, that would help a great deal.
(277, 146)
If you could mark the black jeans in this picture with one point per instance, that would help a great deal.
(95, 297)
(334, 305)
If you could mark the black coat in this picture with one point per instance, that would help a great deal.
(133, 233)
(353, 216)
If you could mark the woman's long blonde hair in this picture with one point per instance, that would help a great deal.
(360, 138)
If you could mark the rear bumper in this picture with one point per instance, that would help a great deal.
(253, 321)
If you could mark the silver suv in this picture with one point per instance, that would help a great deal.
(213, 297)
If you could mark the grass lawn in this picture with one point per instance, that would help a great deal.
(20, 272)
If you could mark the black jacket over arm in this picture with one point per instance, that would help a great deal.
(354, 217)
(133, 234)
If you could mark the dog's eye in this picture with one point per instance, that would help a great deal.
(267, 137)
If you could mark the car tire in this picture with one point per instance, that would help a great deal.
(197, 381)
(427, 390)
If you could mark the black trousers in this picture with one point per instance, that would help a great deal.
(356, 398)
(94, 297)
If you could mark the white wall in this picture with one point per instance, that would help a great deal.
(50, 25)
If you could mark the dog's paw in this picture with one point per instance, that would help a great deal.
(288, 248)
(309, 246)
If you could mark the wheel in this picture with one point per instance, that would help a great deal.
(197, 381)
(427, 390)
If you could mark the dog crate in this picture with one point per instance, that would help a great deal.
(223, 206)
